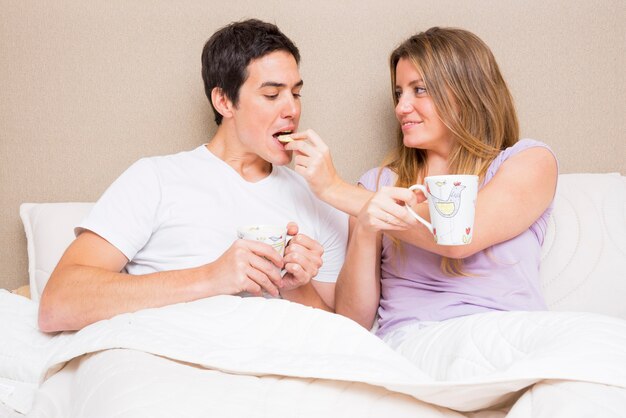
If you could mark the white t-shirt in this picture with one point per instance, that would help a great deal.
(182, 210)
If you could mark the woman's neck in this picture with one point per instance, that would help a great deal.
(436, 163)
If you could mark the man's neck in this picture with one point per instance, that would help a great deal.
(226, 146)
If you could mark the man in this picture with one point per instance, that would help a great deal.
(165, 231)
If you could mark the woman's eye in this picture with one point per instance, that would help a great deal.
(397, 93)
(271, 96)
(420, 90)
(297, 95)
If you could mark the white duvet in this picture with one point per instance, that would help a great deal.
(229, 356)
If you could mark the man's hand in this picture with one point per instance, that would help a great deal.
(303, 259)
(247, 266)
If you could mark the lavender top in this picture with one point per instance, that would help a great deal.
(413, 287)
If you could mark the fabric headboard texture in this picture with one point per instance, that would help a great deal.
(583, 257)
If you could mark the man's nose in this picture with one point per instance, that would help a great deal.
(291, 109)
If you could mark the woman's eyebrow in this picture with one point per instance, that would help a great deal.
(412, 83)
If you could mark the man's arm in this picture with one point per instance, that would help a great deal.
(316, 294)
(87, 284)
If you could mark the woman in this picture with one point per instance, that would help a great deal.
(456, 116)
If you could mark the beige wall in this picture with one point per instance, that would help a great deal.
(87, 87)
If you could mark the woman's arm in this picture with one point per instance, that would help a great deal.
(357, 292)
(510, 203)
(517, 195)
(313, 162)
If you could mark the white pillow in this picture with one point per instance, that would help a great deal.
(583, 265)
(49, 231)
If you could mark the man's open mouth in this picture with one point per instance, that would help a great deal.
(283, 137)
(281, 133)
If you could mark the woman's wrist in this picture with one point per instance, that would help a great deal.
(332, 193)
(344, 196)
(363, 232)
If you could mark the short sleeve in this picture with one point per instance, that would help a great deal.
(540, 226)
(376, 177)
(519, 146)
(125, 214)
(334, 239)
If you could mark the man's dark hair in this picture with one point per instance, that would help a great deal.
(228, 52)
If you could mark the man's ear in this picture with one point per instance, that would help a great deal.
(221, 103)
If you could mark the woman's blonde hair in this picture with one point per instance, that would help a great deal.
(471, 98)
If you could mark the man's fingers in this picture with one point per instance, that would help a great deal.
(253, 288)
(262, 280)
(309, 265)
(306, 262)
(267, 268)
(307, 243)
(264, 250)
(292, 228)
(296, 275)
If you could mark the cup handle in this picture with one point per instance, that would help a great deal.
(287, 241)
(412, 212)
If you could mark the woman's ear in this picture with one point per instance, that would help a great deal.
(221, 103)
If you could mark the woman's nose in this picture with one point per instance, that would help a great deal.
(403, 106)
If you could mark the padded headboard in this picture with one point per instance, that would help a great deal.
(89, 87)
(583, 258)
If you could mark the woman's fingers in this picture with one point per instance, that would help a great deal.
(387, 211)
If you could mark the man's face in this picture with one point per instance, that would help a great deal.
(269, 104)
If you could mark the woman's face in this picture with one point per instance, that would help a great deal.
(421, 126)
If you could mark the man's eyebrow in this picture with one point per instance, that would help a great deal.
(279, 85)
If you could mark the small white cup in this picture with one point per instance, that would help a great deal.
(451, 203)
(276, 236)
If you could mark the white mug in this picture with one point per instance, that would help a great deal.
(451, 203)
(276, 236)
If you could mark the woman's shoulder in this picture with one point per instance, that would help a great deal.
(523, 145)
(515, 149)
(377, 177)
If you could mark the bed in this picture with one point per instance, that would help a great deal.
(228, 356)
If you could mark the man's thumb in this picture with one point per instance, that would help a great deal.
(292, 228)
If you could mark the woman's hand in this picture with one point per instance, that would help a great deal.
(386, 210)
(313, 162)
